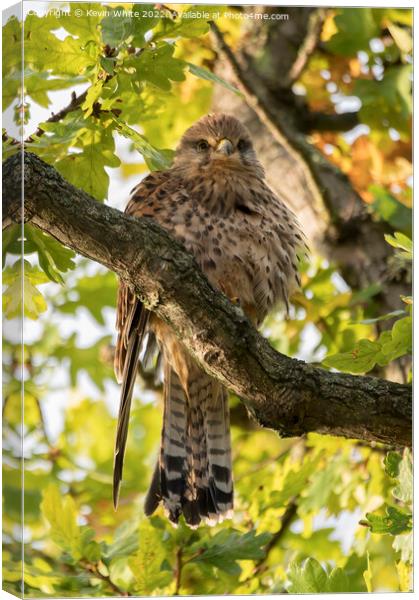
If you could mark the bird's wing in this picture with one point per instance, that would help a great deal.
(132, 323)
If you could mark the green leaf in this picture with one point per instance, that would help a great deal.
(188, 24)
(391, 210)
(207, 75)
(86, 169)
(61, 514)
(116, 27)
(401, 242)
(93, 94)
(323, 483)
(307, 578)
(360, 360)
(228, 546)
(311, 578)
(9, 146)
(355, 28)
(393, 522)
(12, 44)
(86, 26)
(403, 543)
(147, 563)
(12, 241)
(54, 258)
(294, 482)
(392, 463)
(155, 159)
(397, 343)
(120, 27)
(404, 491)
(45, 52)
(93, 294)
(366, 354)
(33, 301)
(37, 85)
(11, 61)
(59, 137)
(108, 64)
(338, 581)
(149, 17)
(157, 66)
(125, 541)
(387, 103)
(87, 359)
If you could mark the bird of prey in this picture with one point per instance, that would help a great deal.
(216, 202)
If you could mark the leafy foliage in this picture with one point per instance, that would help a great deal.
(311, 578)
(391, 344)
(299, 502)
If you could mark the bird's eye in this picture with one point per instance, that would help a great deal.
(243, 145)
(202, 145)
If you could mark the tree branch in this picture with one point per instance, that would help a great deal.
(308, 46)
(282, 393)
(286, 521)
(319, 121)
(74, 103)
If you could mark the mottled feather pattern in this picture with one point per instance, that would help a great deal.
(215, 201)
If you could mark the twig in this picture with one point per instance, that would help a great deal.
(75, 102)
(308, 46)
(178, 571)
(93, 568)
(286, 520)
(172, 12)
(8, 138)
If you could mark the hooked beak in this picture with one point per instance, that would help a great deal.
(225, 147)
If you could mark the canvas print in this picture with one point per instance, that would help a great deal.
(207, 307)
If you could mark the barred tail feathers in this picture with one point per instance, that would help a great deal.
(193, 476)
(210, 435)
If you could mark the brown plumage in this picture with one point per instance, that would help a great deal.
(216, 202)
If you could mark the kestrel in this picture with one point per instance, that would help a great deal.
(216, 202)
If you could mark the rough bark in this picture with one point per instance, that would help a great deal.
(284, 394)
(332, 214)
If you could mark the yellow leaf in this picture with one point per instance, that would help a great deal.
(404, 571)
(329, 28)
(402, 37)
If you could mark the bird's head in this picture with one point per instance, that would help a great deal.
(218, 143)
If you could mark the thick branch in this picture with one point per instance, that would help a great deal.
(282, 393)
